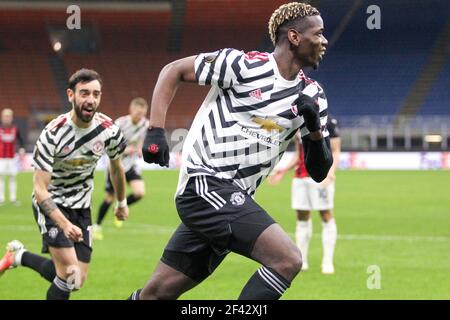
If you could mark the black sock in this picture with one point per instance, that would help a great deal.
(132, 199)
(43, 266)
(59, 290)
(265, 284)
(135, 295)
(102, 211)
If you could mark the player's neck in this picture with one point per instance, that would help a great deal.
(287, 65)
(135, 121)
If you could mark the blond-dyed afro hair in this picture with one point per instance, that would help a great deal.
(288, 12)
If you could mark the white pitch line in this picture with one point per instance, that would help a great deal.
(143, 228)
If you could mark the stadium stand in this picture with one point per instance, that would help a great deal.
(438, 100)
(370, 72)
(366, 73)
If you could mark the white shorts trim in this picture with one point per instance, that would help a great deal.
(307, 195)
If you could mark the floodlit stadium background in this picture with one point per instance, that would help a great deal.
(388, 87)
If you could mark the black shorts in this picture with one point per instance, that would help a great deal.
(130, 175)
(52, 236)
(217, 217)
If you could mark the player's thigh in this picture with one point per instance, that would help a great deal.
(137, 187)
(190, 254)
(300, 194)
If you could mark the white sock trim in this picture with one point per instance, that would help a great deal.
(272, 280)
(63, 285)
(18, 257)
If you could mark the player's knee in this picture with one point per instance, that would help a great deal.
(291, 264)
(139, 194)
(158, 293)
(75, 277)
(109, 198)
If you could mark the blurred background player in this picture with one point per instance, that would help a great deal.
(9, 137)
(65, 158)
(134, 126)
(308, 195)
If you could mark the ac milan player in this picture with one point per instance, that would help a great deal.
(9, 136)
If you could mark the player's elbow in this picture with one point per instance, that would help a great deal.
(320, 171)
(180, 70)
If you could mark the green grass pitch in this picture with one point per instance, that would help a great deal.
(398, 221)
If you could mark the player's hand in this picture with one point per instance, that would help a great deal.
(130, 150)
(72, 232)
(328, 180)
(155, 148)
(275, 177)
(309, 109)
(122, 213)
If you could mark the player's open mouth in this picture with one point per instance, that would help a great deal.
(88, 112)
(321, 54)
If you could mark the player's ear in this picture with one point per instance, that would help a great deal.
(294, 37)
(70, 95)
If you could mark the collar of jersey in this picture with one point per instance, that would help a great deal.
(278, 75)
(69, 120)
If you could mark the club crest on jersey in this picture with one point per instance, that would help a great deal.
(210, 58)
(98, 147)
(237, 199)
(53, 232)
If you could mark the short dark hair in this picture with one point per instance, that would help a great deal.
(139, 102)
(83, 75)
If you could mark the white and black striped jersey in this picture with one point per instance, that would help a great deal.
(247, 120)
(71, 153)
(134, 133)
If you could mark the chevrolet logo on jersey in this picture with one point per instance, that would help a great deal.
(267, 124)
(77, 162)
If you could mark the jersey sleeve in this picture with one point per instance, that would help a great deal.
(218, 68)
(315, 91)
(116, 145)
(44, 152)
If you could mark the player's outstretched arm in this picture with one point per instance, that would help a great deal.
(155, 148)
(169, 78)
(118, 180)
(48, 207)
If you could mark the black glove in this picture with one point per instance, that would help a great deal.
(309, 109)
(155, 148)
